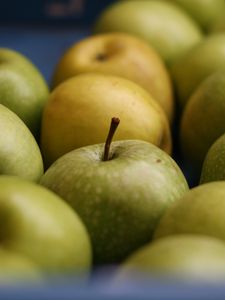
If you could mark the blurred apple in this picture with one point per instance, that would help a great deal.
(200, 62)
(121, 55)
(16, 268)
(22, 88)
(38, 225)
(79, 109)
(204, 12)
(177, 257)
(213, 168)
(219, 24)
(163, 25)
(119, 196)
(203, 118)
(200, 211)
(19, 152)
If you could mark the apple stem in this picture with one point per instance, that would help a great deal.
(113, 126)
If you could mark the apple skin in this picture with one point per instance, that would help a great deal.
(219, 24)
(200, 62)
(37, 224)
(16, 268)
(202, 121)
(178, 257)
(204, 12)
(213, 168)
(19, 152)
(22, 88)
(122, 55)
(120, 200)
(163, 25)
(200, 211)
(79, 109)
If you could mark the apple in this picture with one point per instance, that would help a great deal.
(16, 268)
(202, 121)
(178, 257)
(213, 168)
(163, 25)
(204, 12)
(120, 192)
(78, 111)
(201, 61)
(219, 24)
(40, 226)
(200, 211)
(22, 88)
(19, 152)
(122, 55)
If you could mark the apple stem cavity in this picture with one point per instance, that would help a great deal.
(113, 126)
(101, 57)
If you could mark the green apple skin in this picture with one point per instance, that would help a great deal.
(180, 257)
(79, 111)
(122, 55)
(165, 26)
(204, 12)
(213, 168)
(202, 121)
(201, 61)
(200, 211)
(39, 225)
(219, 24)
(17, 269)
(20, 154)
(23, 89)
(120, 200)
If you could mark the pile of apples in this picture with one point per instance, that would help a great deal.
(76, 192)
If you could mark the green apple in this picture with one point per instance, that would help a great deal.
(200, 211)
(201, 61)
(213, 168)
(39, 225)
(180, 257)
(19, 152)
(16, 268)
(202, 121)
(204, 12)
(119, 192)
(79, 109)
(219, 24)
(122, 55)
(163, 25)
(22, 88)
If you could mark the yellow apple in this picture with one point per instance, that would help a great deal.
(122, 55)
(79, 110)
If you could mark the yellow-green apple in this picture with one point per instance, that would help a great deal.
(79, 109)
(202, 121)
(201, 61)
(213, 168)
(23, 89)
(122, 55)
(16, 268)
(40, 226)
(177, 257)
(120, 192)
(219, 24)
(204, 12)
(200, 211)
(19, 152)
(163, 25)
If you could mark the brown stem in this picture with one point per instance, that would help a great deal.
(114, 123)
